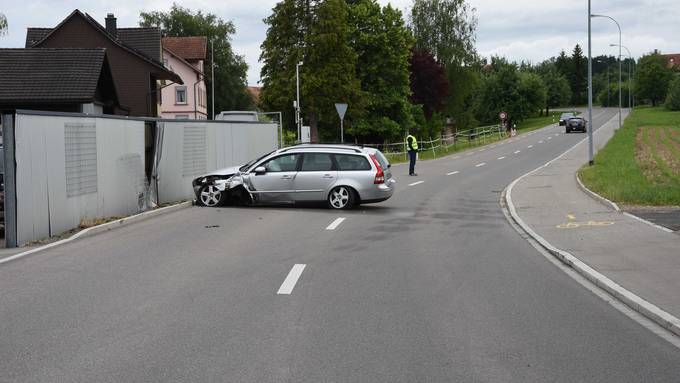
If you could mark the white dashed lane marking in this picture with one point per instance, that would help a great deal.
(500, 158)
(540, 142)
(289, 283)
(335, 223)
(482, 164)
(530, 146)
(452, 173)
(517, 151)
(416, 183)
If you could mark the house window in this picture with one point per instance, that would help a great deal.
(180, 95)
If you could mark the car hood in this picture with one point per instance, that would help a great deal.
(221, 172)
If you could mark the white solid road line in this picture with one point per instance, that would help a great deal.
(517, 151)
(452, 173)
(482, 164)
(289, 283)
(416, 183)
(500, 158)
(335, 223)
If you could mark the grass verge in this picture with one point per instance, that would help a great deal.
(641, 163)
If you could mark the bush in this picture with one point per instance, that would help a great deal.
(673, 96)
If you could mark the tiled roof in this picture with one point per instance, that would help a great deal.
(188, 48)
(673, 60)
(145, 40)
(44, 75)
(33, 35)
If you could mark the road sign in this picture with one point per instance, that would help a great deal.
(341, 108)
(502, 115)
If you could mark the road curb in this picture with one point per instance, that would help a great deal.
(102, 228)
(636, 303)
(596, 196)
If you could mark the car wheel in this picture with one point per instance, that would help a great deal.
(210, 196)
(567, 131)
(341, 197)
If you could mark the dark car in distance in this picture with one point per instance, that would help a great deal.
(564, 117)
(576, 123)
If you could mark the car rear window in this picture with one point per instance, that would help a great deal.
(352, 162)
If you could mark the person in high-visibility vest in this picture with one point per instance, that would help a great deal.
(412, 147)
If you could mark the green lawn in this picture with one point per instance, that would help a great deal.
(641, 163)
(525, 126)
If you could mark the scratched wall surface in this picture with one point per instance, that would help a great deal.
(75, 168)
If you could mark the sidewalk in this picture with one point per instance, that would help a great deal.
(612, 246)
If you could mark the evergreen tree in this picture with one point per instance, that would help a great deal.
(330, 71)
(382, 43)
(578, 76)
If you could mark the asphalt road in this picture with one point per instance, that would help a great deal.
(433, 285)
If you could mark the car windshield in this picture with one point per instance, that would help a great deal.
(567, 115)
(251, 163)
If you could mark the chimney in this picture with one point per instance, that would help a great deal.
(111, 24)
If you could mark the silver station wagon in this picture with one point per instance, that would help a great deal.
(343, 176)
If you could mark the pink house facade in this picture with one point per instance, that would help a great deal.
(185, 56)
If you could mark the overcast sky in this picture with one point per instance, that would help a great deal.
(519, 30)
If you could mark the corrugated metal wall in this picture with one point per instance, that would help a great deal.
(74, 168)
(70, 168)
(190, 149)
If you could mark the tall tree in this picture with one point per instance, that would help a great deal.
(382, 42)
(578, 76)
(429, 84)
(446, 28)
(558, 92)
(3, 24)
(282, 50)
(533, 94)
(652, 78)
(563, 64)
(231, 69)
(330, 71)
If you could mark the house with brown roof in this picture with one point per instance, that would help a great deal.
(76, 80)
(185, 56)
(672, 60)
(134, 56)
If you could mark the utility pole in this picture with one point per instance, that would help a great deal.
(212, 73)
(298, 118)
(590, 91)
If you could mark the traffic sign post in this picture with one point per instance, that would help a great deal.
(341, 108)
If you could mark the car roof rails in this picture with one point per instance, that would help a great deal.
(321, 146)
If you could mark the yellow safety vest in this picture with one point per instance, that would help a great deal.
(415, 142)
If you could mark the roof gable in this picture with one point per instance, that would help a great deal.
(188, 48)
(50, 75)
(36, 36)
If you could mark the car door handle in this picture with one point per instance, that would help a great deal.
(287, 177)
(327, 176)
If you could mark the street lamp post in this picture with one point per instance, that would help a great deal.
(212, 75)
(590, 91)
(298, 119)
(618, 26)
(630, 90)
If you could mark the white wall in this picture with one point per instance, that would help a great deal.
(43, 206)
(226, 144)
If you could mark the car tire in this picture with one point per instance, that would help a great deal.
(341, 197)
(210, 196)
(567, 131)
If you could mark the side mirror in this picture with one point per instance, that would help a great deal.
(260, 170)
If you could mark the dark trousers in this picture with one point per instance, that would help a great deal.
(411, 161)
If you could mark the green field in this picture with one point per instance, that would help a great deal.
(525, 126)
(641, 163)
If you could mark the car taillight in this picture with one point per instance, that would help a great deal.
(380, 175)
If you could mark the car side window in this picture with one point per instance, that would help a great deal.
(285, 163)
(348, 162)
(317, 162)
